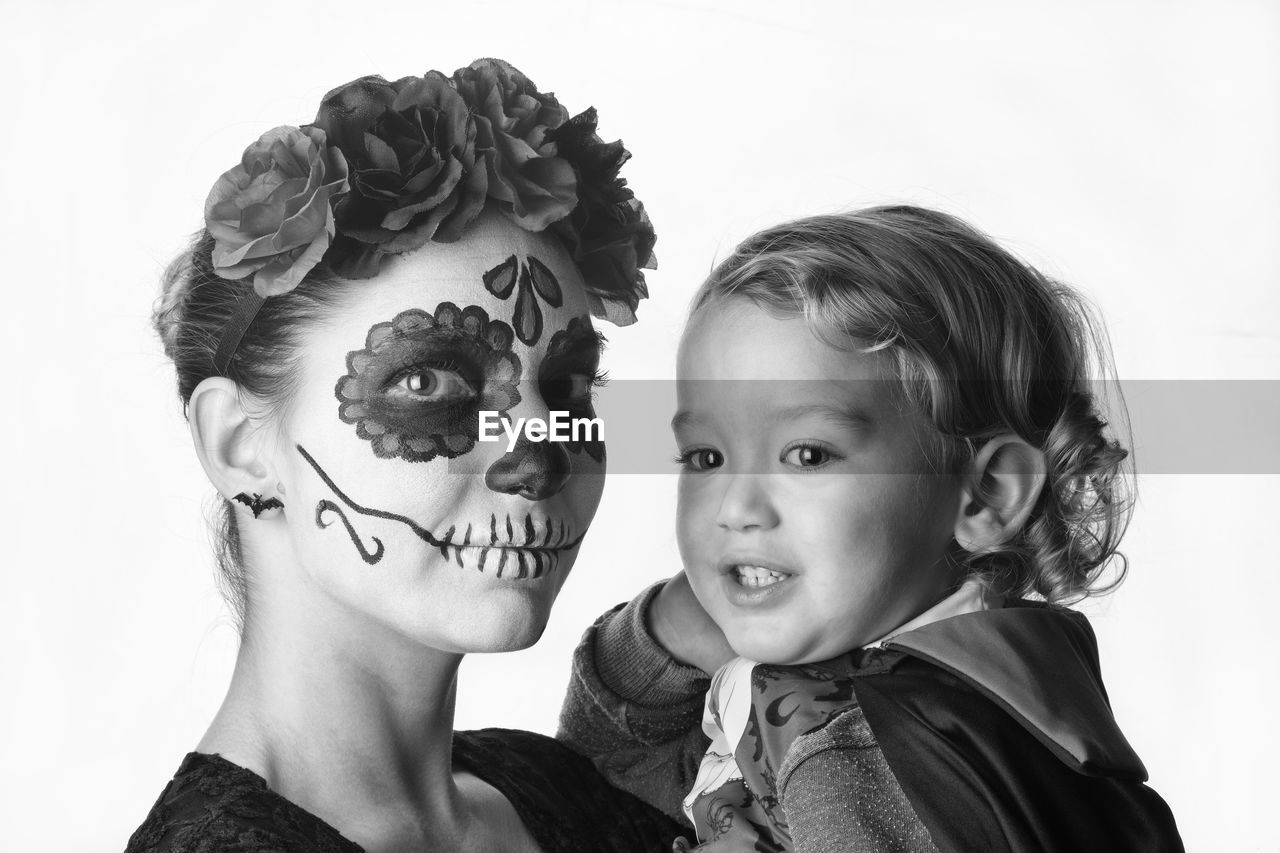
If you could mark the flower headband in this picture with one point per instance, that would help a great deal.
(387, 166)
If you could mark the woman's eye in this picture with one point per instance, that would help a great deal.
(434, 384)
(573, 386)
(572, 391)
(807, 456)
(702, 459)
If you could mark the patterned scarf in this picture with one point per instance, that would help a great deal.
(755, 712)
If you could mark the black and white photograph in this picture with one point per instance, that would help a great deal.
(640, 426)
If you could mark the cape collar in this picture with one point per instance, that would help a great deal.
(1040, 664)
(970, 597)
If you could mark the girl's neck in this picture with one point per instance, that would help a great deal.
(345, 718)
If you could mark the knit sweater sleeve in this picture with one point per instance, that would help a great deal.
(840, 795)
(635, 711)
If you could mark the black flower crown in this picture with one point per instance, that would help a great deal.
(388, 166)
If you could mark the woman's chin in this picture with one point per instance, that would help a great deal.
(508, 618)
(511, 641)
(510, 637)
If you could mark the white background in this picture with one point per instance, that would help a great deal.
(1130, 148)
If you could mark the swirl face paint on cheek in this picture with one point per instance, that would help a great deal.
(415, 389)
(522, 551)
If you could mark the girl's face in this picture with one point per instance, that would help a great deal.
(397, 513)
(810, 519)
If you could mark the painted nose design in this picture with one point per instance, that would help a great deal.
(534, 470)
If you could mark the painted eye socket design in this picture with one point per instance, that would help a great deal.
(569, 375)
(807, 456)
(701, 459)
(414, 392)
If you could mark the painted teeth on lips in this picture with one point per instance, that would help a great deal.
(757, 575)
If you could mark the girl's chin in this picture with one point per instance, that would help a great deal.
(777, 647)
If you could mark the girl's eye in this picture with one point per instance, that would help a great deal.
(434, 385)
(701, 459)
(807, 456)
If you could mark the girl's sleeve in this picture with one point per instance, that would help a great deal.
(839, 794)
(635, 711)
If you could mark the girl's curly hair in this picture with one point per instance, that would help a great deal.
(984, 344)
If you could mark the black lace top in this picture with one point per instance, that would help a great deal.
(215, 806)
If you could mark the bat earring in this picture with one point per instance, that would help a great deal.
(258, 504)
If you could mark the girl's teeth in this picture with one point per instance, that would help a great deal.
(757, 576)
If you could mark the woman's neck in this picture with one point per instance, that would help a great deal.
(344, 717)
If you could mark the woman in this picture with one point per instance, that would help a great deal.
(366, 286)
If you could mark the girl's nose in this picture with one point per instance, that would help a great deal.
(534, 470)
(745, 503)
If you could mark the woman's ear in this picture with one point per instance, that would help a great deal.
(233, 449)
(1001, 488)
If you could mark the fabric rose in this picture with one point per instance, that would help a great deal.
(608, 234)
(513, 125)
(272, 216)
(410, 145)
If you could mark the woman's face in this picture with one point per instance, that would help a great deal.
(397, 512)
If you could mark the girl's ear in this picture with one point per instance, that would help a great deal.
(233, 449)
(1001, 488)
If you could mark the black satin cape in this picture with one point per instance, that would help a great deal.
(998, 728)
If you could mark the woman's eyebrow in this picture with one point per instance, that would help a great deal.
(598, 343)
(577, 342)
(590, 346)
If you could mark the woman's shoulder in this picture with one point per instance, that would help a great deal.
(532, 765)
(214, 806)
(560, 796)
(528, 752)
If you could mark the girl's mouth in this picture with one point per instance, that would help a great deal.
(756, 576)
(752, 580)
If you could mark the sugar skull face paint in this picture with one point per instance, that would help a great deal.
(395, 511)
(532, 275)
(534, 548)
(415, 389)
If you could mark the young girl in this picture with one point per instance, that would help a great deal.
(894, 474)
